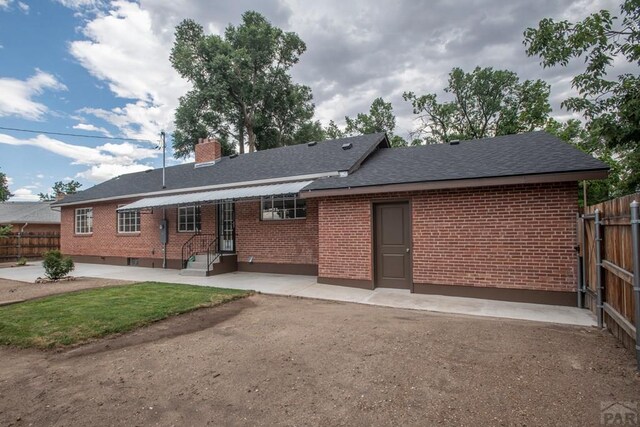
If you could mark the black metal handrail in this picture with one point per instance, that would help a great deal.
(212, 253)
(198, 243)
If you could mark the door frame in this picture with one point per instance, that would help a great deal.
(372, 226)
(219, 226)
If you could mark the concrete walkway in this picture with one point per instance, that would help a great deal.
(307, 286)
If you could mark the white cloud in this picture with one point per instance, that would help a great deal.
(39, 176)
(122, 49)
(102, 172)
(17, 95)
(79, 4)
(6, 5)
(105, 161)
(24, 195)
(357, 50)
(92, 128)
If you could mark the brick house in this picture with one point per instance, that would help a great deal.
(492, 218)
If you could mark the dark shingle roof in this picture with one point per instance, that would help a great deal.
(31, 212)
(295, 160)
(511, 155)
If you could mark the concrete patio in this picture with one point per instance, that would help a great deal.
(307, 287)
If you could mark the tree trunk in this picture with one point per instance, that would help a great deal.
(248, 122)
(252, 138)
(240, 137)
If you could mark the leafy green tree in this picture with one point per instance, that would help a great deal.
(242, 89)
(60, 188)
(610, 105)
(573, 132)
(379, 119)
(4, 188)
(486, 102)
(5, 230)
(332, 131)
(310, 131)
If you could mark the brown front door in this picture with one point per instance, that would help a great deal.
(392, 246)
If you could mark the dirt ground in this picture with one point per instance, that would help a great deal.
(270, 360)
(11, 290)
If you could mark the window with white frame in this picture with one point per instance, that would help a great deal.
(84, 221)
(280, 208)
(189, 218)
(129, 221)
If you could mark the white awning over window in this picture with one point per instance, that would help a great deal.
(212, 196)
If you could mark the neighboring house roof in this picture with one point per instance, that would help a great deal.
(370, 163)
(28, 212)
(532, 153)
(321, 159)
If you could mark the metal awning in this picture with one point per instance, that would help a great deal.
(287, 188)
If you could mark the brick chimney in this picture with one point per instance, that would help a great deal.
(208, 150)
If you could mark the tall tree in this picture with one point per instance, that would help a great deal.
(60, 188)
(379, 119)
(573, 132)
(4, 188)
(241, 85)
(333, 131)
(486, 102)
(611, 106)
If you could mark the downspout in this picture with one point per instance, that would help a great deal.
(20, 240)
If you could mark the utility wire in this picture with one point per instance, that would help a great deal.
(77, 135)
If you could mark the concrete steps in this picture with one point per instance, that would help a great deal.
(197, 266)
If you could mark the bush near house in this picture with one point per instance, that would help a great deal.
(56, 265)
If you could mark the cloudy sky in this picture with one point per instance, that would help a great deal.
(101, 68)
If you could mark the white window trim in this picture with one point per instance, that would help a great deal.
(118, 223)
(195, 217)
(295, 209)
(88, 223)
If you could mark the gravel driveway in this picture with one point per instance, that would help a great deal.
(275, 360)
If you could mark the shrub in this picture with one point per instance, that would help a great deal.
(22, 261)
(56, 265)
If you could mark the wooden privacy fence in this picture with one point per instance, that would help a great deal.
(28, 245)
(609, 279)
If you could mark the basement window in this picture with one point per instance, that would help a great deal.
(280, 208)
(188, 219)
(84, 221)
(128, 221)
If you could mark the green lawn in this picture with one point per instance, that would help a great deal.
(74, 317)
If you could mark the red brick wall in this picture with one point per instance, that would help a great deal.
(344, 241)
(106, 241)
(281, 242)
(518, 237)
